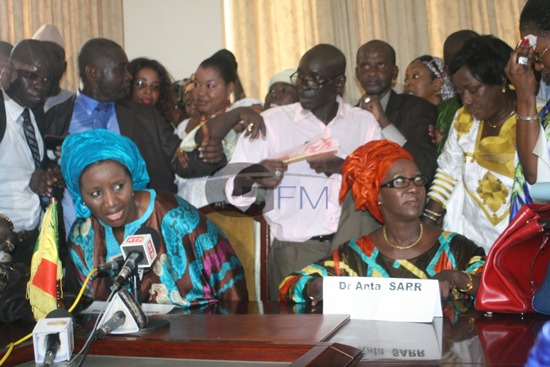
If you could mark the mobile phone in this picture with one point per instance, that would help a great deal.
(53, 141)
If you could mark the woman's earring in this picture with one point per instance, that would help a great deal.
(133, 193)
(379, 202)
(503, 89)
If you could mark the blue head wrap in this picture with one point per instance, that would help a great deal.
(81, 150)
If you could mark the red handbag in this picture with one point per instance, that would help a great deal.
(516, 264)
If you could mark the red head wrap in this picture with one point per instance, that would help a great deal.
(364, 170)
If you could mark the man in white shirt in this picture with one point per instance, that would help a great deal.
(302, 197)
(25, 180)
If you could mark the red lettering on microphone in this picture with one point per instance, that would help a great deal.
(134, 239)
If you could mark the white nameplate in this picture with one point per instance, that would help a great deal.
(385, 299)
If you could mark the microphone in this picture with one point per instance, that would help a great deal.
(52, 346)
(146, 240)
(127, 269)
(139, 251)
(134, 318)
(114, 265)
(53, 338)
(113, 323)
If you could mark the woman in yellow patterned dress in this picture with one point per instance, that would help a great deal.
(475, 180)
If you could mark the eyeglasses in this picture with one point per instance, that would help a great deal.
(402, 182)
(140, 84)
(538, 55)
(298, 79)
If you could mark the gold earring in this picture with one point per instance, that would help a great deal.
(503, 89)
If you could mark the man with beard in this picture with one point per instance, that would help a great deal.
(302, 197)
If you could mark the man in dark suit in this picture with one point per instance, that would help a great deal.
(28, 178)
(101, 102)
(404, 119)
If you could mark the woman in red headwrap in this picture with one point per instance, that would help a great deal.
(384, 180)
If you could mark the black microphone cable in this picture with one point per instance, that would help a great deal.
(9, 348)
(85, 348)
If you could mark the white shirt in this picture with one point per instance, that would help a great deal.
(194, 190)
(305, 204)
(17, 200)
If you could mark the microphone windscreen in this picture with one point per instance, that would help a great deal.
(59, 312)
(58, 321)
(155, 235)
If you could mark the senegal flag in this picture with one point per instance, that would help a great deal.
(46, 269)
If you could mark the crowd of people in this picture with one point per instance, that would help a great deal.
(416, 184)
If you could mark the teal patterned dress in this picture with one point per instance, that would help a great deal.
(195, 264)
(361, 258)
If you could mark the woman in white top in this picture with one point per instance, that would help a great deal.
(481, 178)
(215, 81)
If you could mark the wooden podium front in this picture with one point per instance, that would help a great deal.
(241, 337)
(248, 337)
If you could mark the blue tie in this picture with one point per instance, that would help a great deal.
(103, 113)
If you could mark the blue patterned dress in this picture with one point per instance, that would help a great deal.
(195, 264)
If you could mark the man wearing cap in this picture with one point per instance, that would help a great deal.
(282, 90)
(302, 206)
(50, 35)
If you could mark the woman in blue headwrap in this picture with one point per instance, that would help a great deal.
(107, 179)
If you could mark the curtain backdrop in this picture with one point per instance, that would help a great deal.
(269, 36)
(77, 20)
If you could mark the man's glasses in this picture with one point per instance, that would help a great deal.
(299, 79)
(140, 84)
(402, 182)
(538, 55)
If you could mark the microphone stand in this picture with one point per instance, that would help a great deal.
(136, 286)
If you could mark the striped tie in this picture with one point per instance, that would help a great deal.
(28, 128)
(31, 137)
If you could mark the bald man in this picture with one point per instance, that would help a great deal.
(26, 177)
(302, 197)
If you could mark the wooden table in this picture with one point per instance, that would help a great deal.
(272, 334)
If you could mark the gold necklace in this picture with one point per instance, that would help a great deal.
(403, 247)
(496, 125)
